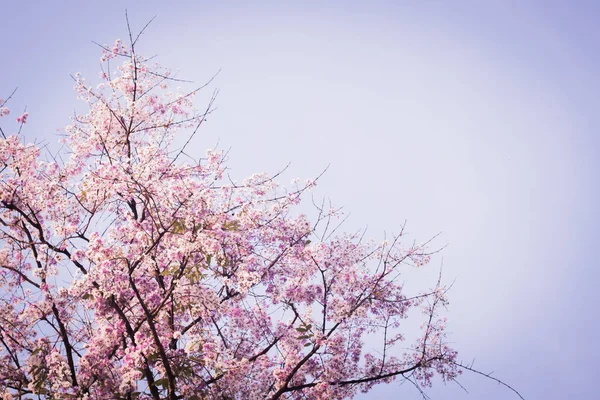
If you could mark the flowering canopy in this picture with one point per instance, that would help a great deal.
(129, 273)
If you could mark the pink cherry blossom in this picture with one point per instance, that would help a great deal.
(22, 119)
(128, 271)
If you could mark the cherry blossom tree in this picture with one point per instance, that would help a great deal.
(129, 272)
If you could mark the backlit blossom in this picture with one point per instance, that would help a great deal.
(128, 270)
(22, 118)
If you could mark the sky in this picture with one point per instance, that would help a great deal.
(472, 119)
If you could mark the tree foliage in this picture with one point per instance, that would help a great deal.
(129, 272)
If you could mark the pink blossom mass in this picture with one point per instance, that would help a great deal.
(128, 271)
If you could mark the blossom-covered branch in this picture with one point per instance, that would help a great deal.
(129, 273)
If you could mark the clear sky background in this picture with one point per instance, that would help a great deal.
(477, 119)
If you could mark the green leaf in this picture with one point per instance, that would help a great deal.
(164, 382)
(179, 226)
(231, 226)
(304, 328)
(170, 270)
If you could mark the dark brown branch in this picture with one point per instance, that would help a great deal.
(68, 348)
(157, 342)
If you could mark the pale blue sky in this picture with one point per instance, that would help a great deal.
(474, 118)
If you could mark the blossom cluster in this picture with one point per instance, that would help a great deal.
(127, 271)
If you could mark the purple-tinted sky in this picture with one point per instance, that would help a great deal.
(474, 118)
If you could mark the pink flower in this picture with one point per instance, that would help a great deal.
(23, 118)
(173, 279)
